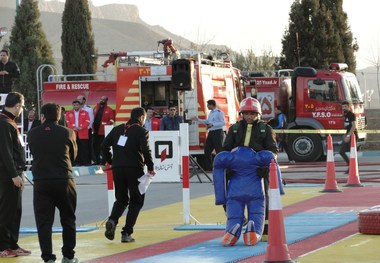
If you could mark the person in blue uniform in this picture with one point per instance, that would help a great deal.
(215, 123)
(244, 190)
(256, 134)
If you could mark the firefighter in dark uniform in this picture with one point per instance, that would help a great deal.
(54, 149)
(131, 152)
(12, 165)
(252, 132)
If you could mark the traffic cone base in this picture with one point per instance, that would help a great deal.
(331, 185)
(353, 185)
(353, 171)
(331, 191)
(277, 249)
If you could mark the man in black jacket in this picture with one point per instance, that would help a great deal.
(131, 152)
(8, 72)
(54, 149)
(350, 126)
(12, 165)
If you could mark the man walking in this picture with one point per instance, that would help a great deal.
(12, 165)
(215, 124)
(54, 185)
(350, 126)
(131, 152)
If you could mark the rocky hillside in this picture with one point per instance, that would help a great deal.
(121, 12)
(124, 32)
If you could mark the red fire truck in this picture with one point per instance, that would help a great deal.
(311, 100)
(152, 78)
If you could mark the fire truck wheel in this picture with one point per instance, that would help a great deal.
(305, 147)
(369, 221)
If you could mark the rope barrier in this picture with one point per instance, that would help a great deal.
(323, 131)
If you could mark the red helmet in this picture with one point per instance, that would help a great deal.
(250, 104)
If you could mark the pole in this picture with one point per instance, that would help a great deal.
(365, 89)
(298, 49)
(184, 148)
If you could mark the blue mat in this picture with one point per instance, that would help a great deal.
(297, 227)
(33, 230)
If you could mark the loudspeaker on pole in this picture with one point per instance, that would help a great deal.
(182, 74)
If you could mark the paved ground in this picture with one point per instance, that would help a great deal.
(155, 232)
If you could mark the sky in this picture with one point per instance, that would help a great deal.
(251, 24)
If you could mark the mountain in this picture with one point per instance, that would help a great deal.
(116, 27)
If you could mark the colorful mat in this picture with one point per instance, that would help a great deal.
(33, 230)
(298, 227)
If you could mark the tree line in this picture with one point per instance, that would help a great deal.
(317, 34)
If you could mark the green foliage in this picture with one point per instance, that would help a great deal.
(318, 35)
(77, 39)
(251, 62)
(29, 48)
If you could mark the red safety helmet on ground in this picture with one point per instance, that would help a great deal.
(250, 104)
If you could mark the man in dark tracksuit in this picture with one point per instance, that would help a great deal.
(54, 149)
(350, 126)
(8, 72)
(131, 152)
(12, 165)
(257, 135)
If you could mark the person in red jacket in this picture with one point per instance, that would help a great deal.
(103, 115)
(79, 120)
(152, 123)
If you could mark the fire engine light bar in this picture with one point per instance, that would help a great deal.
(338, 66)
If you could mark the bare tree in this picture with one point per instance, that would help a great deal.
(375, 61)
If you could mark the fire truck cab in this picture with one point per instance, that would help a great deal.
(311, 100)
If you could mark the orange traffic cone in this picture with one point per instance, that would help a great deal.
(331, 185)
(277, 249)
(353, 170)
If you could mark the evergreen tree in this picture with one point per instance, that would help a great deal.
(77, 39)
(348, 45)
(317, 35)
(29, 48)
